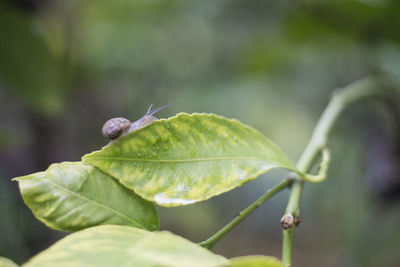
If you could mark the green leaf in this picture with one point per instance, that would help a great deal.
(4, 262)
(189, 158)
(256, 261)
(70, 196)
(112, 245)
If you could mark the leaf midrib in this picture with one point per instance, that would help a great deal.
(93, 202)
(178, 160)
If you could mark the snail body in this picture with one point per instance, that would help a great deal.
(118, 127)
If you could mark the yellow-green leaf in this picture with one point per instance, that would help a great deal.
(113, 245)
(255, 261)
(4, 262)
(189, 158)
(70, 196)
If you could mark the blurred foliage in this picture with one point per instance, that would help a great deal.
(68, 66)
(26, 63)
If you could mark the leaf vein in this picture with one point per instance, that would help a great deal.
(94, 202)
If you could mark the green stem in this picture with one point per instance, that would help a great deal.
(210, 242)
(364, 88)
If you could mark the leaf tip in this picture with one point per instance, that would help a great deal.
(19, 178)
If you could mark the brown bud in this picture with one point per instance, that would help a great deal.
(287, 221)
(297, 221)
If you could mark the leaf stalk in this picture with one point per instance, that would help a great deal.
(342, 98)
(210, 242)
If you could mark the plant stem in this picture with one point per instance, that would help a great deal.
(364, 88)
(210, 242)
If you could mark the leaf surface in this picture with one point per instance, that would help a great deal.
(188, 158)
(113, 245)
(256, 261)
(4, 262)
(70, 196)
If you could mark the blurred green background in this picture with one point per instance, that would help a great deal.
(68, 66)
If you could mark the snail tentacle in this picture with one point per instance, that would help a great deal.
(151, 112)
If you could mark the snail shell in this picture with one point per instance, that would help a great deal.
(114, 127)
(118, 127)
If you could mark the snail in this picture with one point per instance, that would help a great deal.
(119, 127)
